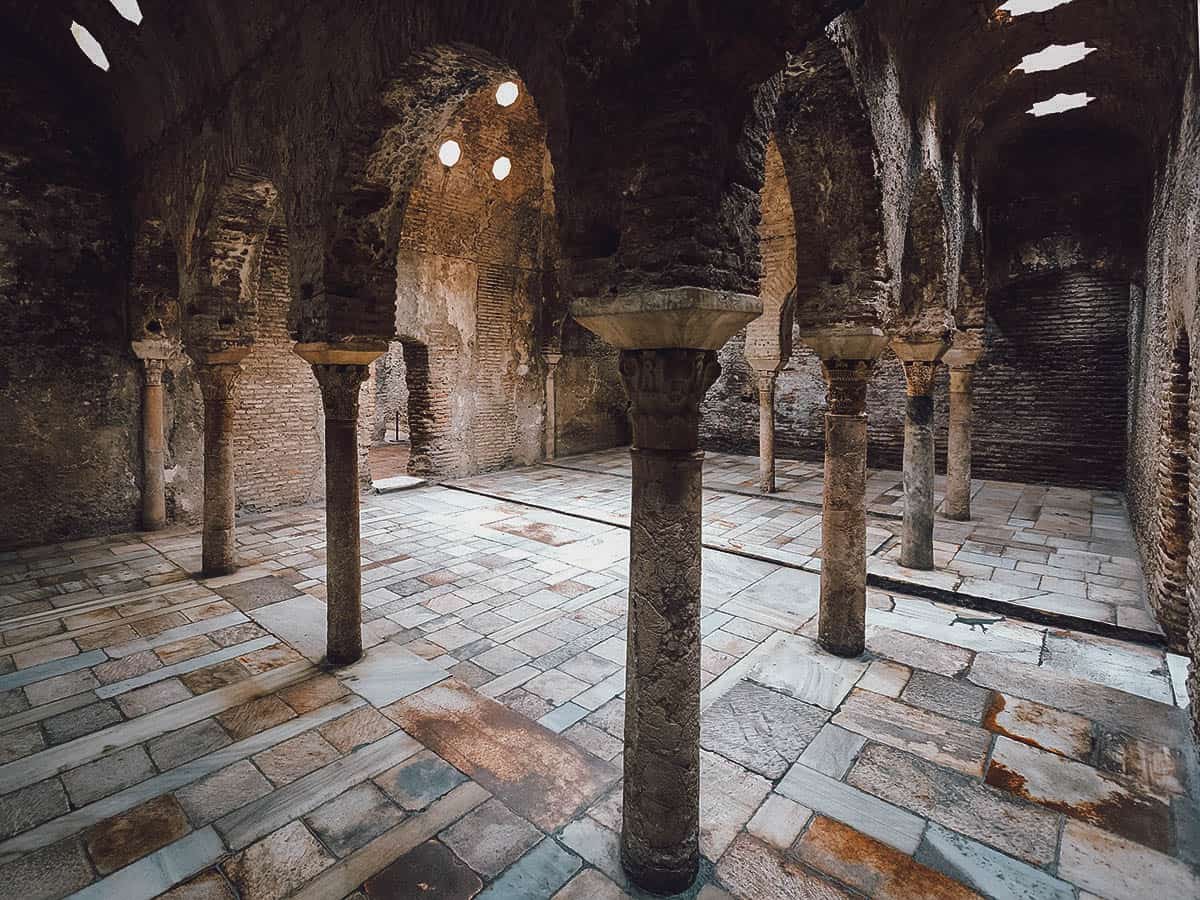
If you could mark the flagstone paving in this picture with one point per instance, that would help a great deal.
(160, 732)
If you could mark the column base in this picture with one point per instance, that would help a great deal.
(664, 877)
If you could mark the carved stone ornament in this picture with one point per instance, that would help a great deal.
(665, 388)
(339, 389)
(847, 380)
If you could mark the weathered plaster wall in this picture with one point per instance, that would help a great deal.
(1170, 306)
(391, 395)
(69, 385)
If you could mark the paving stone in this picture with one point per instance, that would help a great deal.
(610, 717)
(236, 634)
(257, 715)
(598, 845)
(295, 758)
(60, 686)
(1151, 768)
(893, 825)
(256, 592)
(799, 668)
(591, 884)
(555, 687)
(1079, 791)
(13, 701)
(31, 806)
(988, 871)
(116, 842)
(185, 648)
(182, 746)
(78, 722)
(590, 668)
(130, 666)
(267, 658)
(21, 742)
(945, 741)
(563, 717)
(1116, 868)
(539, 873)
(151, 697)
(885, 677)
(428, 871)
(347, 822)
(1114, 709)
(871, 867)
(210, 798)
(312, 693)
(753, 869)
(208, 885)
(832, 751)
(779, 821)
(956, 801)
(107, 775)
(948, 696)
(501, 660)
(491, 838)
(729, 797)
(49, 873)
(919, 652)
(278, 864)
(471, 674)
(389, 672)
(356, 729)
(594, 741)
(540, 775)
(761, 729)
(1040, 726)
(215, 676)
(531, 706)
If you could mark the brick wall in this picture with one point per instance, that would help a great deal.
(1050, 395)
(278, 426)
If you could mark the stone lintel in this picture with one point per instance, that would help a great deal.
(688, 318)
(965, 350)
(552, 359)
(765, 365)
(154, 349)
(846, 342)
(920, 348)
(348, 353)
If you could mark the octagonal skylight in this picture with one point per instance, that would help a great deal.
(89, 45)
(129, 9)
(1061, 103)
(1056, 56)
(1022, 7)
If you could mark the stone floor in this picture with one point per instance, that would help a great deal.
(163, 734)
(1063, 556)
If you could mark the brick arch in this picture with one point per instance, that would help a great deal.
(924, 284)
(386, 160)
(154, 284)
(831, 160)
(1179, 470)
(769, 337)
(220, 308)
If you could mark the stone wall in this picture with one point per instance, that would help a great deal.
(391, 395)
(278, 431)
(69, 386)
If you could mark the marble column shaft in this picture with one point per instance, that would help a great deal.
(766, 431)
(218, 384)
(958, 446)
(154, 497)
(661, 828)
(916, 542)
(340, 386)
(842, 618)
(552, 361)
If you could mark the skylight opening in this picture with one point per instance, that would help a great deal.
(449, 153)
(1056, 56)
(1061, 103)
(501, 167)
(1023, 7)
(89, 45)
(129, 9)
(507, 93)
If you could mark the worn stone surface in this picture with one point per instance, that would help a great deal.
(278, 864)
(349, 821)
(119, 841)
(761, 729)
(490, 838)
(753, 869)
(429, 870)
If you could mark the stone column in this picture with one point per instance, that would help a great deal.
(154, 356)
(660, 838)
(964, 352)
(552, 361)
(218, 375)
(847, 359)
(340, 372)
(766, 431)
(920, 359)
(660, 834)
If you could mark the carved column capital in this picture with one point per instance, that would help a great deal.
(153, 369)
(919, 376)
(765, 382)
(218, 382)
(552, 360)
(665, 388)
(847, 380)
(340, 388)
